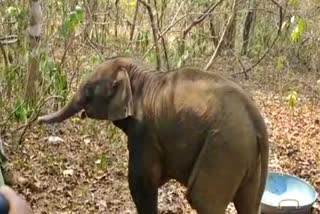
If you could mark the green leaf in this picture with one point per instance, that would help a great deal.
(128, 51)
(295, 35)
(61, 84)
(22, 112)
(96, 59)
(73, 19)
(152, 58)
(183, 58)
(13, 11)
(292, 98)
(102, 162)
(132, 4)
(293, 1)
(301, 25)
(280, 62)
(298, 29)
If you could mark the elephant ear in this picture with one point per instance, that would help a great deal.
(121, 104)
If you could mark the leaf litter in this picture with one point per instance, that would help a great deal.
(84, 168)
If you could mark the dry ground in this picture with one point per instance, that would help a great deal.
(87, 172)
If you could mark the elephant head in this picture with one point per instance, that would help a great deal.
(105, 95)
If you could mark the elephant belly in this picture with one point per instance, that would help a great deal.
(181, 141)
(179, 157)
(181, 152)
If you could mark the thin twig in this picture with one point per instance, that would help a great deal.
(285, 86)
(245, 72)
(64, 55)
(134, 21)
(173, 23)
(154, 32)
(95, 49)
(35, 114)
(195, 22)
(3, 51)
(23, 102)
(116, 23)
(200, 18)
(163, 42)
(222, 37)
(3, 123)
(165, 53)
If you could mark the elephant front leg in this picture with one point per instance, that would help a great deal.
(144, 195)
(144, 177)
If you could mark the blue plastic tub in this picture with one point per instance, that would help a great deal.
(286, 193)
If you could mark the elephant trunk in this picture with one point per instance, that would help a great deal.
(66, 112)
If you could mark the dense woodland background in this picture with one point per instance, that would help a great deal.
(272, 48)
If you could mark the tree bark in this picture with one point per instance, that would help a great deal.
(195, 22)
(154, 31)
(117, 19)
(222, 38)
(229, 38)
(248, 26)
(134, 21)
(34, 30)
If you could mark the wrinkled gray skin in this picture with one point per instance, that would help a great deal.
(196, 127)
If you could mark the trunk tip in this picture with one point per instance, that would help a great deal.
(43, 119)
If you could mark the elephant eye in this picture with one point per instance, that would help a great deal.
(104, 89)
(88, 92)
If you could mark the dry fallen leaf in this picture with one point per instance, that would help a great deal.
(68, 177)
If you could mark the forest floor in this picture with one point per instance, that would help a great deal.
(80, 166)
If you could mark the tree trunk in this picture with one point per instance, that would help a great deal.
(34, 30)
(134, 21)
(117, 19)
(228, 42)
(248, 26)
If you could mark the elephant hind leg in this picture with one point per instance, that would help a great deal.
(211, 194)
(214, 186)
(217, 175)
(247, 199)
(205, 203)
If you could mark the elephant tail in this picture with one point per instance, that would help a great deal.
(264, 160)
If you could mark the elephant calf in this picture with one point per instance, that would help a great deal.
(193, 126)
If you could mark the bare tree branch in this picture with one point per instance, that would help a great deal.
(154, 31)
(134, 21)
(8, 40)
(245, 72)
(173, 23)
(117, 19)
(200, 18)
(3, 51)
(34, 115)
(222, 37)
